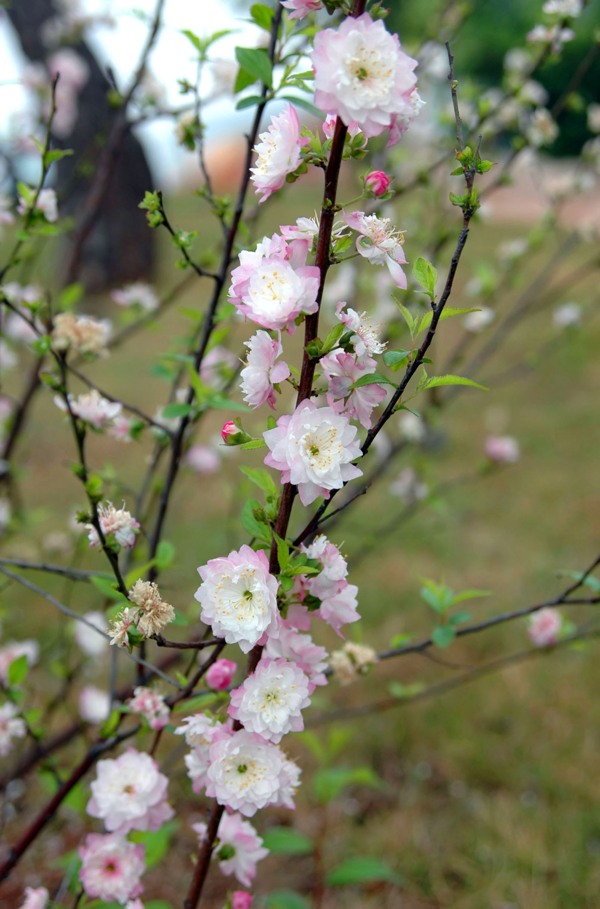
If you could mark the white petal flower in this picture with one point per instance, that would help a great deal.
(271, 700)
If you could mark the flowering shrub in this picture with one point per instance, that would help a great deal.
(317, 395)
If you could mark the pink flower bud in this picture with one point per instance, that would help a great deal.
(220, 674)
(502, 449)
(240, 899)
(229, 430)
(377, 182)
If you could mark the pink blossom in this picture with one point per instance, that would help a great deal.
(92, 409)
(340, 609)
(329, 127)
(238, 848)
(203, 459)
(45, 204)
(247, 773)
(343, 370)
(121, 429)
(338, 597)
(300, 649)
(200, 731)
(379, 242)
(151, 705)
(139, 294)
(239, 898)
(117, 523)
(35, 898)
(220, 675)
(15, 649)
(129, 793)
(544, 627)
(88, 639)
(218, 366)
(239, 597)
(361, 74)
(262, 373)
(272, 285)
(74, 73)
(314, 448)
(11, 727)
(365, 335)
(94, 704)
(278, 153)
(111, 867)
(228, 431)
(502, 449)
(271, 700)
(300, 9)
(377, 182)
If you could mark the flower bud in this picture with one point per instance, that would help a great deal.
(233, 434)
(377, 182)
(220, 674)
(240, 899)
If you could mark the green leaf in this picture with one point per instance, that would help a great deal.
(56, 155)
(110, 725)
(249, 101)
(471, 594)
(286, 841)
(286, 899)
(396, 358)
(156, 842)
(361, 870)
(106, 587)
(407, 316)
(459, 618)
(443, 635)
(437, 381)
(220, 402)
(426, 275)
(70, 296)
(304, 104)
(261, 478)
(200, 389)
(243, 80)
(252, 444)
(17, 671)
(374, 378)
(262, 15)
(251, 525)
(255, 61)
(447, 313)
(404, 692)
(165, 554)
(174, 410)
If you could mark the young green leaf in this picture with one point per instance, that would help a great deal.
(438, 381)
(287, 841)
(443, 635)
(256, 62)
(362, 869)
(426, 275)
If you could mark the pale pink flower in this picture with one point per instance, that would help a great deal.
(502, 449)
(15, 649)
(138, 294)
(240, 899)
(568, 315)
(220, 675)
(35, 898)
(342, 370)
(304, 229)
(341, 608)
(74, 73)
(479, 319)
(379, 242)
(412, 427)
(94, 704)
(81, 333)
(154, 614)
(278, 153)
(129, 793)
(45, 204)
(377, 182)
(351, 661)
(203, 459)
(300, 649)
(200, 731)
(272, 285)
(111, 867)
(134, 904)
(300, 9)
(247, 773)
(116, 523)
(314, 448)
(239, 597)
(121, 429)
(262, 373)
(544, 627)
(22, 295)
(238, 847)
(218, 366)
(11, 727)
(329, 127)
(151, 705)
(271, 700)
(119, 632)
(92, 408)
(409, 487)
(361, 74)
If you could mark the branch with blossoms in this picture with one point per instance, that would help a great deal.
(273, 596)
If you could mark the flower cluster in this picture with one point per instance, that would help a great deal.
(81, 333)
